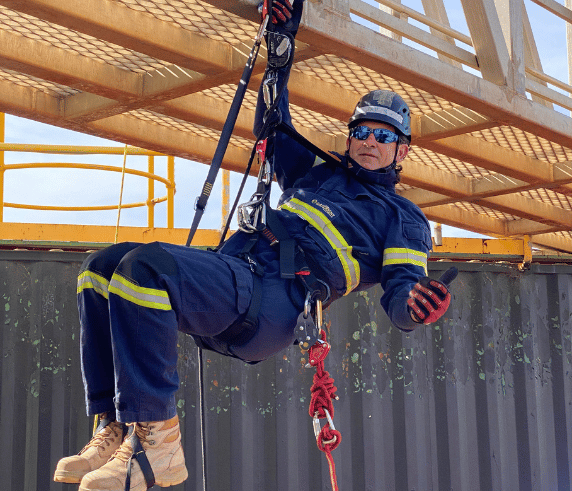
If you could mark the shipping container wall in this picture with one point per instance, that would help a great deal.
(481, 400)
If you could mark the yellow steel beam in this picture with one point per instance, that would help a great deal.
(442, 124)
(481, 153)
(458, 217)
(331, 31)
(553, 241)
(33, 232)
(511, 247)
(169, 90)
(513, 204)
(65, 67)
(436, 187)
(28, 103)
(166, 139)
(116, 23)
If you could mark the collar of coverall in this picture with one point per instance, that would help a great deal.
(386, 177)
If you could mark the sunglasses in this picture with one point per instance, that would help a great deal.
(381, 135)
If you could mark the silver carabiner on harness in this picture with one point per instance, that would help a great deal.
(252, 214)
(317, 426)
(317, 311)
(269, 88)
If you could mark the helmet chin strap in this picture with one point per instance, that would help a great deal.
(381, 170)
(393, 164)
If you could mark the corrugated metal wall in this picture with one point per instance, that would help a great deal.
(479, 401)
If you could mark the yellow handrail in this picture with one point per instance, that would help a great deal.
(169, 182)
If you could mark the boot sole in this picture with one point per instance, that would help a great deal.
(177, 475)
(69, 477)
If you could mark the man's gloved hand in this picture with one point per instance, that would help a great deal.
(429, 299)
(281, 32)
(281, 11)
(286, 14)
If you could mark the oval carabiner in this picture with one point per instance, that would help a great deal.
(307, 305)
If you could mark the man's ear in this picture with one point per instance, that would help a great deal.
(348, 143)
(402, 152)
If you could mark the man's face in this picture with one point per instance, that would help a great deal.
(372, 155)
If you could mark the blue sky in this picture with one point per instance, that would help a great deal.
(84, 188)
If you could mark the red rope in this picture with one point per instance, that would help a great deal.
(321, 406)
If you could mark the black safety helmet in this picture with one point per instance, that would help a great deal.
(384, 106)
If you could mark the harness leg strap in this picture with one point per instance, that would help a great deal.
(139, 454)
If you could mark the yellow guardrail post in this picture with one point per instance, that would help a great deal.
(225, 199)
(171, 192)
(527, 253)
(150, 193)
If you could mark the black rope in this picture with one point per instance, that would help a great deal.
(225, 135)
(202, 415)
(202, 202)
(265, 130)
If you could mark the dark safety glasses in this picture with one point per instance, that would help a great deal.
(381, 135)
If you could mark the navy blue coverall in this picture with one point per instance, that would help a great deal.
(133, 298)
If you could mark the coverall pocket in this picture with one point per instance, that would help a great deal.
(413, 231)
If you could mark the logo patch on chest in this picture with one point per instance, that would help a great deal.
(326, 209)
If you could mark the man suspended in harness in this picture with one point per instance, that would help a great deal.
(340, 227)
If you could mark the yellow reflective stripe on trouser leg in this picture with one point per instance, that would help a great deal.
(146, 297)
(89, 279)
(321, 223)
(400, 255)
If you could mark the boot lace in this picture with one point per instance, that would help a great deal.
(125, 451)
(101, 437)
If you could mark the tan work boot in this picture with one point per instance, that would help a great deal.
(161, 442)
(101, 447)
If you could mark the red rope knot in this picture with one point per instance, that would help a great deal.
(321, 406)
(323, 391)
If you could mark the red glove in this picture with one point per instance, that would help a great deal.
(429, 299)
(284, 14)
(281, 11)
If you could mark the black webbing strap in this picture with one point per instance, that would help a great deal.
(106, 421)
(287, 245)
(292, 133)
(142, 460)
(103, 422)
(226, 133)
(311, 281)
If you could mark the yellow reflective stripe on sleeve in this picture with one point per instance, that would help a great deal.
(89, 279)
(398, 255)
(146, 297)
(321, 223)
